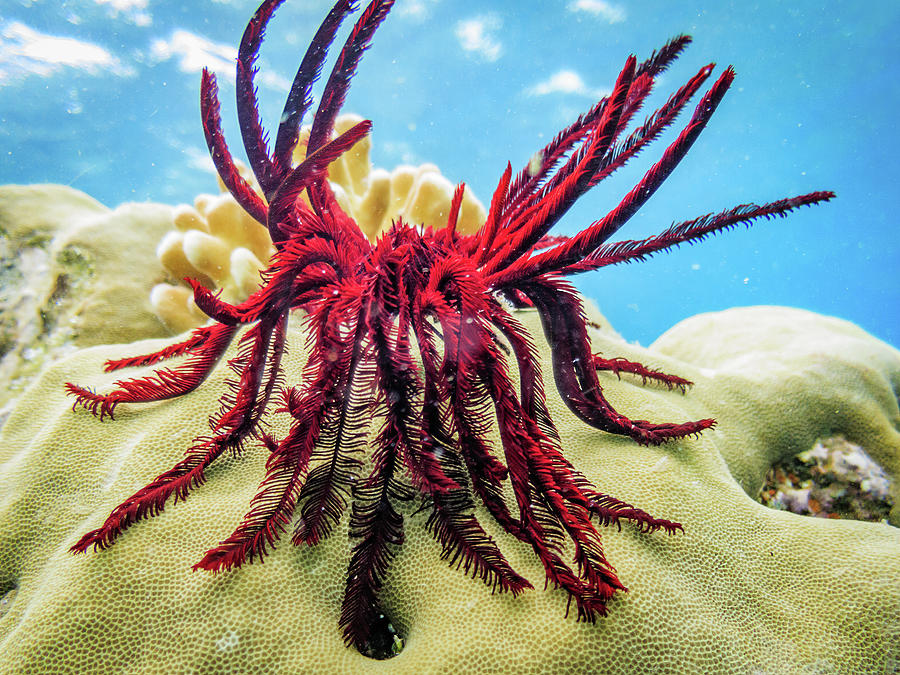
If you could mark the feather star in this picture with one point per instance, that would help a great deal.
(415, 329)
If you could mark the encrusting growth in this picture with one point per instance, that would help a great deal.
(415, 330)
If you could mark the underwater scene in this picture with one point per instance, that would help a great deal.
(308, 362)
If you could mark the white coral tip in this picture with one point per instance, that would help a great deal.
(208, 254)
(245, 269)
(175, 307)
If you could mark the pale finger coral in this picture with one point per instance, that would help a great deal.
(217, 243)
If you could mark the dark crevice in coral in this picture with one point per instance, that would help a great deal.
(11, 280)
(8, 590)
(384, 640)
(7, 340)
(50, 312)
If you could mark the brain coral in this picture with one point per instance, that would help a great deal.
(216, 242)
(744, 589)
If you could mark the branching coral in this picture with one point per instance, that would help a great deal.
(217, 243)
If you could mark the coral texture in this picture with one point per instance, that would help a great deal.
(745, 589)
(74, 273)
(217, 243)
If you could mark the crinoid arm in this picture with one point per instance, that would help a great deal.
(618, 365)
(517, 259)
(420, 382)
(204, 348)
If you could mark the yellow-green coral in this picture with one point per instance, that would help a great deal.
(744, 589)
(74, 273)
(219, 244)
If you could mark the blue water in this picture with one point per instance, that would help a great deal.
(113, 110)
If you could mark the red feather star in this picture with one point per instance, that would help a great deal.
(415, 329)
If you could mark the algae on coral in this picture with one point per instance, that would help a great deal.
(74, 273)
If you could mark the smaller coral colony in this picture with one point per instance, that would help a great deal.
(416, 329)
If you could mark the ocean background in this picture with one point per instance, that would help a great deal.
(102, 95)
